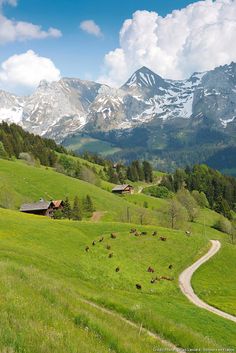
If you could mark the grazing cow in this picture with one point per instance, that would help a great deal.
(137, 234)
(133, 230)
(163, 238)
(153, 280)
(94, 243)
(154, 233)
(87, 248)
(101, 239)
(108, 247)
(170, 267)
(167, 278)
(150, 269)
(117, 269)
(110, 255)
(138, 286)
(188, 233)
(113, 236)
(143, 233)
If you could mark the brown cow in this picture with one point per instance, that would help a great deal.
(94, 243)
(113, 236)
(117, 269)
(163, 238)
(170, 267)
(101, 239)
(133, 230)
(150, 269)
(138, 286)
(108, 247)
(167, 278)
(154, 233)
(87, 248)
(110, 255)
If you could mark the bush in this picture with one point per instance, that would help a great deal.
(224, 225)
(157, 191)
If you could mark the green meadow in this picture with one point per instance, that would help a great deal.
(46, 274)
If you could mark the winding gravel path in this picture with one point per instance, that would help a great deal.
(186, 287)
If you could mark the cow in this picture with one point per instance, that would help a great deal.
(188, 233)
(108, 247)
(167, 278)
(133, 230)
(113, 236)
(94, 243)
(163, 238)
(101, 239)
(153, 280)
(117, 269)
(150, 269)
(110, 255)
(137, 234)
(170, 267)
(138, 286)
(154, 233)
(143, 233)
(87, 248)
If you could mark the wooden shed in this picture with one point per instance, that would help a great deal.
(123, 189)
(42, 208)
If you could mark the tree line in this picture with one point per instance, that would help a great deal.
(219, 189)
(77, 210)
(14, 141)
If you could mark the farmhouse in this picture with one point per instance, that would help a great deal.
(42, 207)
(123, 189)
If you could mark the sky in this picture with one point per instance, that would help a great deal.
(107, 41)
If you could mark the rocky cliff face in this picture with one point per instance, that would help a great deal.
(70, 105)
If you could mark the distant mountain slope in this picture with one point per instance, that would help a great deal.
(148, 115)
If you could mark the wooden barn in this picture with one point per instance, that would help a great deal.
(42, 207)
(123, 189)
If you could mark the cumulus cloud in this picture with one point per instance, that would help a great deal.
(196, 38)
(22, 73)
(12, 30)
(91, 27)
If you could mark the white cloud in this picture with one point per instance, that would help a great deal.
(22, 73)
(11, 31)
(196, 38)
(91, 27)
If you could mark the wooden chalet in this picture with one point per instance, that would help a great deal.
(42, 207)
(123, 189)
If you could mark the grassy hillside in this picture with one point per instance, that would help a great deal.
(215, 280)
(23, 182)
(44, 261)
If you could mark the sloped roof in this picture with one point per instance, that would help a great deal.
(36, 206)
(57, 203)
(121, 187)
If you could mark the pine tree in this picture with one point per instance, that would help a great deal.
(3, 153)
(76, 212)
(88, 204)
(67, 209)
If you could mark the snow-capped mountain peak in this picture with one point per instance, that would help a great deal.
(58, 109)
(144, 78)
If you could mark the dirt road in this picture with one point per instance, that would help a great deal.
(186, 287)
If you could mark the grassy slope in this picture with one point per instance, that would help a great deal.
(45, 260)
(31, 183)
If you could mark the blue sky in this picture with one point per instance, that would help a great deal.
(77, 53)
(48, 39)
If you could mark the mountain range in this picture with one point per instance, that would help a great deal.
(171, 122)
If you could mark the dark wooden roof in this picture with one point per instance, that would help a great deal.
(121, 187)
(36, 206)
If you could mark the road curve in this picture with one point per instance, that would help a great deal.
(186, 287)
